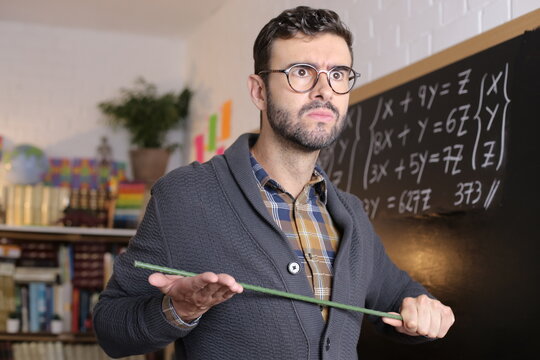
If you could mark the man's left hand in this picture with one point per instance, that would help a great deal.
(423, 316)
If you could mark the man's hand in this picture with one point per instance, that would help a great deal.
(193, 296)
(423, 316)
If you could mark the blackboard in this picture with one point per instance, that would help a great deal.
(436, 144)
(478, 256)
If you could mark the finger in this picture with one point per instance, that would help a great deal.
(409, 313)
(424, 308)
(436, 319)
(224, 293)
(210, 290)
(225, 283)
(229, 282)
(200, 281)
(161, 281)
(228, 294)
(447, 320)
(391, 321)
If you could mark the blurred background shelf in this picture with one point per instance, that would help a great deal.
(45, 336)
(65, 234)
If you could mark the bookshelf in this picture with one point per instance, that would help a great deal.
(67, 243)
(65, 234)
(44, 336)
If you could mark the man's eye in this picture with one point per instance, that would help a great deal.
(301, 72)
(338, 75)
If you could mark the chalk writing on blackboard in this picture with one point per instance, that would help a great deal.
(434, 145)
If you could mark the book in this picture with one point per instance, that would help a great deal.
(38, 254)
(75, 308)
(84, 313)
(88, 265)
(58, 351)
(67, 291)
(16, 351)
(25, 351)
(42, 306)
(68, 350)
(7, 293)
(18, 204)
(33, 307)
(27, 205)
(9, 196)
(25, 308)
(130, 202)
(49, 351)
(35, 274)
(11, 251)
(49, 307)
(36, 202)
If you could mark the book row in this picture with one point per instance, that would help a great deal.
(42, 205)
(54, 350)
(50, 282)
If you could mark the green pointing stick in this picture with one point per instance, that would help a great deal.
(284, 294)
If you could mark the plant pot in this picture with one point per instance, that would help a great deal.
(12, 325)
(56, 326)
(148, 165)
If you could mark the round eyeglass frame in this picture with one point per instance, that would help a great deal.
(355, 75)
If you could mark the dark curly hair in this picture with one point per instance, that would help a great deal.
(286, 25)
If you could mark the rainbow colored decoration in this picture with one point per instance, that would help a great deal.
(213, 144)
(129, 204)
(82, 173)
(59, 174)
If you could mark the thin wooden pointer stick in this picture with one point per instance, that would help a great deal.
(284, 294)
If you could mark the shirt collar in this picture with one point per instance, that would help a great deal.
(317, 180)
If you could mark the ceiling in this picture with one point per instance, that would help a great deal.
(165, 18)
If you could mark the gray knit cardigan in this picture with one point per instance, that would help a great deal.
(210, 217)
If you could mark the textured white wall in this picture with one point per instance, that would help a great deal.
(388, 35)
(53, 78)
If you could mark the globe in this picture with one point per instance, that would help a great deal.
(25, 164)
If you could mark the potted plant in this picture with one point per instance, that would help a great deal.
(13, 322)
(56, 324)
(148, 117)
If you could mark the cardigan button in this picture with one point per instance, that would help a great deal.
(293, 267)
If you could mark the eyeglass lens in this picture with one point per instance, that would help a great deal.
(303, 78)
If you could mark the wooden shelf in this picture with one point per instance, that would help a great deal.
(64, 337)
(65, 234)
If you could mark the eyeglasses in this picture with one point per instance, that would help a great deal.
(303, 77)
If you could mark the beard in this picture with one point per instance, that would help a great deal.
(298, 135)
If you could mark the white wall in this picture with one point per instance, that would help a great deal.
(388, 35)
(53, 78)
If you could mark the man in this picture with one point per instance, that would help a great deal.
(265, 214)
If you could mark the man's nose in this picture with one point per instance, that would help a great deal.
(322, 89)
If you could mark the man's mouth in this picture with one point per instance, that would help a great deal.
(322, 115)
(319, 111)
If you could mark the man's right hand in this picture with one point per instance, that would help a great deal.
(193, 296)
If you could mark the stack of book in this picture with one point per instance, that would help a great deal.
(88, 277)
(130, 203)
(34, 204)
(44, 279)
(7, 292)
(35, 279)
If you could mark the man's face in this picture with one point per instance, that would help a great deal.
(313, 120)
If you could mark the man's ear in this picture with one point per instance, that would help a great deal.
(257, 91)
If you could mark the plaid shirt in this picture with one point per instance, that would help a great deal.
(307, 225)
